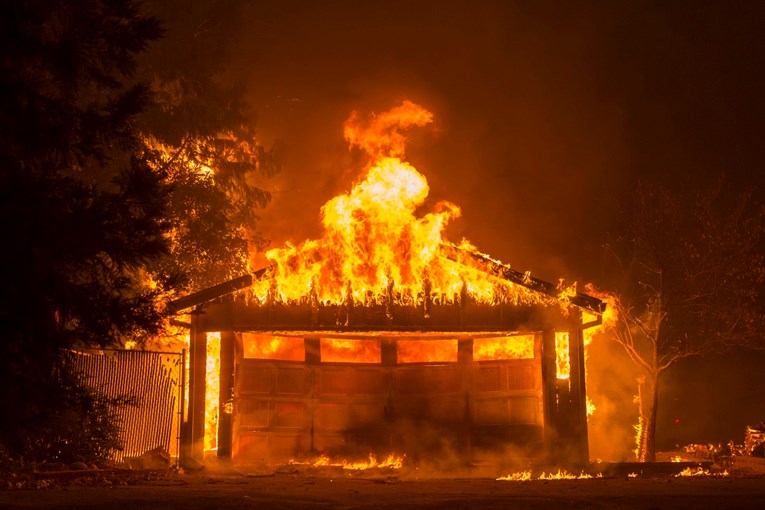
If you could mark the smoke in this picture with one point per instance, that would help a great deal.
(612, 386)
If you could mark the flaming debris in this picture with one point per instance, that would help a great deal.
(562, 474)
(392, 461)
(699, 471)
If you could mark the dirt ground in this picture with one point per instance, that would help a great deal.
(298, 490)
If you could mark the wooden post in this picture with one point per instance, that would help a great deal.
(465, 364)
(197, 389)
(388, 352)
(312, 351)
(226, 394)
(312, 348)
(549, 391)
(578, 390)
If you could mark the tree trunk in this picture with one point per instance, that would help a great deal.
(648, 405)
(649, 424)
(641, 430)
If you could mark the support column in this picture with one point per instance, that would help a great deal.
(549, 391)
(195, 443)
(226, 394)
(388, 352)
(312, 348)
(578, 393)
(465, 364)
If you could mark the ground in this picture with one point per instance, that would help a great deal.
(298, 490)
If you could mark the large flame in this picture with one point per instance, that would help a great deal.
(374, 245)
(212, 391)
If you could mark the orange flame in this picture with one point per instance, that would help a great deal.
(392, 461)
(375, 247)
(562, 358)
(350, 351)
(562, 474)
(699, 471)
(514, 347)
(212, 391)
(273, 347)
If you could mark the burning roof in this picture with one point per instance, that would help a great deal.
(375, 249)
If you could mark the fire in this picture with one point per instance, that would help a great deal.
(273, 347)
(638, 434)
(350, 351)
(375, 249)
(562, 358)
(699, 471)
(392, 461)
(212, 391)
(562, 474)
(591, 408)
(412, 351)
(514, 347)
(520, 476)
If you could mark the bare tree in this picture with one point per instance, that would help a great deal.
(692, 271)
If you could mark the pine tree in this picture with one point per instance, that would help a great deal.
(82, 218)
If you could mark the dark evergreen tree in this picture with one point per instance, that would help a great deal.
(82, 218)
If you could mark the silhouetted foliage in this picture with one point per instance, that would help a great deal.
(200, 134)
(81, 216)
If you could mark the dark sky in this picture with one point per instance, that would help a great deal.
(546, 112)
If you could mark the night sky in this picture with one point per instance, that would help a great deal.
(547, 115)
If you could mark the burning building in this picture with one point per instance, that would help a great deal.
(382, 337)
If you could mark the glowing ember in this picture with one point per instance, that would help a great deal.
(212, 393)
